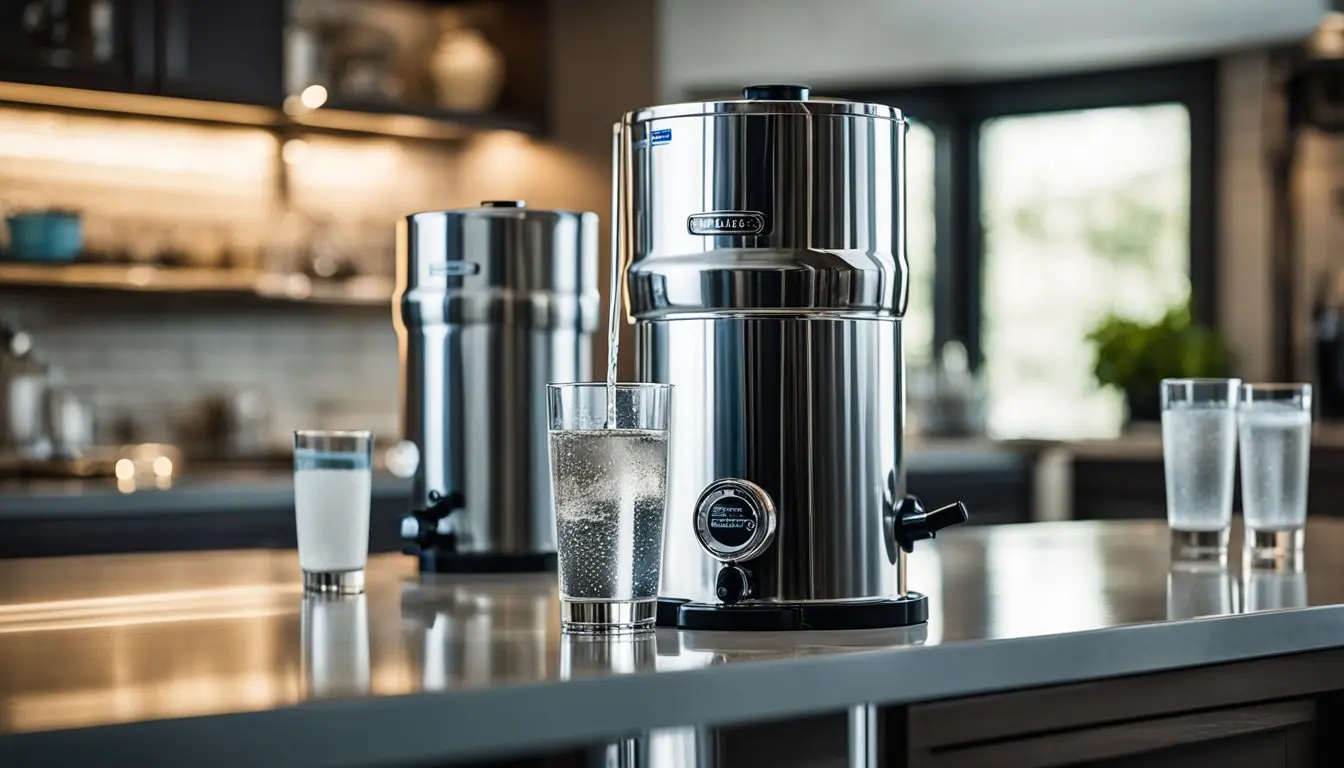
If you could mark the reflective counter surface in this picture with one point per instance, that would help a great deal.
(148, 639)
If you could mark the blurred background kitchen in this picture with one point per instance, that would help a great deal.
(200, 202)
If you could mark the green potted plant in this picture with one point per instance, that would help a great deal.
(1134, 357)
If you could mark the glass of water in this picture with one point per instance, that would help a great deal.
(1274, 421)
(333, 481)
(609, 484)
(1199, 445)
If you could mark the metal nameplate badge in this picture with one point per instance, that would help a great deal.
(454, 268)
(727, 223)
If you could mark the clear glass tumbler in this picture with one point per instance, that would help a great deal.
(1199, 445)
(1274, 421)
(609, 483)
(333, 482)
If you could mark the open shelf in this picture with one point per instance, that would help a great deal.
(364, 291)
(339, 119)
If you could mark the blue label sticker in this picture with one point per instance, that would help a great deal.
(660, 136)
(454, 268)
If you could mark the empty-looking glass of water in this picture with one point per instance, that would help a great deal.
(609, 487)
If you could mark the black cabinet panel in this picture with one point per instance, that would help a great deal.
(993, 495)
(96, 44)
(1112, 489)
(222, 51)
(263, 526)
(1258, 750)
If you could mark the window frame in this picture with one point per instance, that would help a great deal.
(956, 111)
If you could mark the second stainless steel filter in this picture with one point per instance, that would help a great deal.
(493, 303)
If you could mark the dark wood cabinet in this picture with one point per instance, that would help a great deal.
(1287, 747)
(1260, 736)
(1253, 713)
(200, 49)
(93, 44)
(235, 52)
(221, 51)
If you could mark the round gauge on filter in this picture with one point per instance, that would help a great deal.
(734, 520)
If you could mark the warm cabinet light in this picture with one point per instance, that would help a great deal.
(313, 96)
(294, 151)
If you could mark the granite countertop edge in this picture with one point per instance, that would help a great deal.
(482, 723)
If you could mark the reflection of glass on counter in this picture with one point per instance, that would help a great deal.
(1200, 588)
(588, 655)
(1272, 588)
(335, 645)
(478, 630)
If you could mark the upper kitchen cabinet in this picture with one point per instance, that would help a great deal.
(412, 68)
(463, 61)
(221, 51)
(97, 44)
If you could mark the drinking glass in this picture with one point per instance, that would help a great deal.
(609, 487)
(333, 481)
(1274, 421)
(1199, 444)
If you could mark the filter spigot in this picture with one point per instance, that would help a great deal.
(914, 524)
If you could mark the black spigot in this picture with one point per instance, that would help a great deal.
(733, 585)
(914, 524)
(420, 530)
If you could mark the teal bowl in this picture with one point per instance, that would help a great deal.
(47, 236)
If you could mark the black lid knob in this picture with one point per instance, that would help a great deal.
(777, 92)
(914, 524)
(733, 585)
(503, 204)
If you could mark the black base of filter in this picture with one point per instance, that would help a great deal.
(434, 561)
(905, 611)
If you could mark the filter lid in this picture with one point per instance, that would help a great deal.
(499, 262)
(770, 99)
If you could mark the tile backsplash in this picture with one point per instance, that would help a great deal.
(310, 368)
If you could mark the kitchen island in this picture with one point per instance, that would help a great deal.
(1048, 644)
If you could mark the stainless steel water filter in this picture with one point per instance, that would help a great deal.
(765, 243)
(492, 304)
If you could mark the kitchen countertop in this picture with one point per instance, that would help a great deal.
(219, 656)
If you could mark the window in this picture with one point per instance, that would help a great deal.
(921, 222)
(1082, 213)
(1035, 207)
